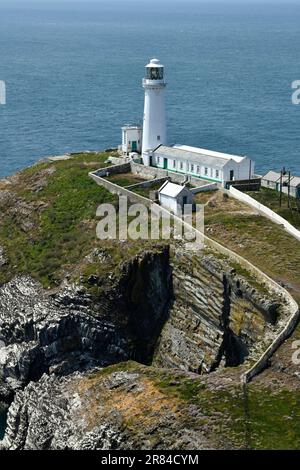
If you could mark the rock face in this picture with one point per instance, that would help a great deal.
(72, 330)
(216, 318)
(183, 311)
(115, 410)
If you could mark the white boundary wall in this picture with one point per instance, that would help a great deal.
(205, 187)
(265, 211)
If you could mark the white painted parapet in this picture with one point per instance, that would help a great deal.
(205, 187)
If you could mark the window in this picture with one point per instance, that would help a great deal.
(192, 167)
(198, 169)
(206, 171)
(158, 160)
(181, 165)
(174, 163)
(211, 172)
(217, 173)
(154, 73)
(158, 138)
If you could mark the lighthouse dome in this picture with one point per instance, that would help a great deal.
(154, 63)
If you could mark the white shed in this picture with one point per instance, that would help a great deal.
(131, 139)
(272, 180)
(174, 197)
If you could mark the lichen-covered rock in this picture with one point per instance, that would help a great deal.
(122, 409)
(74, 330)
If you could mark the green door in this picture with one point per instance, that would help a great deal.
(165, 163)
(134, 146)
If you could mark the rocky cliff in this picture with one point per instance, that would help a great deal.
(217, 317)
(123, 407)
(178, 310)
(72, 329)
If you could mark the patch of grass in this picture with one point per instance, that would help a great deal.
(274, 419)
(270, 198)
(64, 230)
(259, 419)
(124, 179)
(265, 244)
(145, 192)
(240, 270)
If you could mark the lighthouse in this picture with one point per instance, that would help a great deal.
(154, 123)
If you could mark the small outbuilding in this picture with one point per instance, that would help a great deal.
(289, 184)
(131, 139)
(174, 197)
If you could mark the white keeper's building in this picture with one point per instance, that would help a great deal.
(197, 162)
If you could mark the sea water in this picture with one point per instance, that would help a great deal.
(73, 74)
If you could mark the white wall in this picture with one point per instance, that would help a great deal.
(265, 211)
(154, 117)
(168, 202)
(241, 169)
(205, 187)
(131, 135)
(271, 185)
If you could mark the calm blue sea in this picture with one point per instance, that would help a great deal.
(73, 73)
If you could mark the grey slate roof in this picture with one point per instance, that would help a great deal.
(275, 177)
(272, 176)
(171, 189)
(192, 157)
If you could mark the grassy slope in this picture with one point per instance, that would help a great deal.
(254, 237)
(59, 201)
(63, 231)
(270, 198)
(261, 418)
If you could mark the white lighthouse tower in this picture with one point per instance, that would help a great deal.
(154, 125)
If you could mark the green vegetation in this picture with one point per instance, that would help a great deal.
(241, 271)
(257, 417)
(124, 179)
(265, 244)
(145, 192)
(48, 226)
(270, 198)
(274, 418)
(263, 418)
(61, 218)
